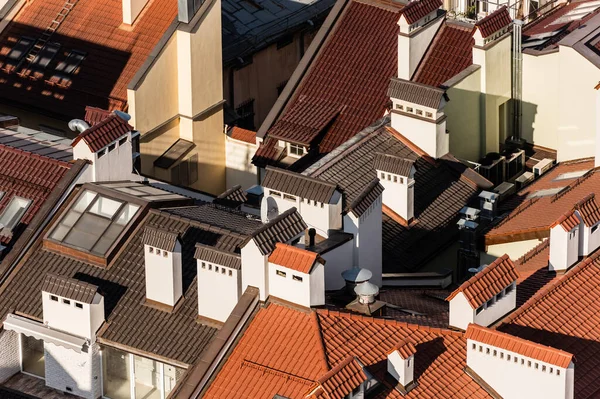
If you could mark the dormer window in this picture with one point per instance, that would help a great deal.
(296, 150)
(14, 212)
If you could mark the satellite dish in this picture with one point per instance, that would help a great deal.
(268, 209)
(123, 115)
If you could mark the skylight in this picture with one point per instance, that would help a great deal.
(13, 212)
(94, 222)
(571, 175)
(546, 192)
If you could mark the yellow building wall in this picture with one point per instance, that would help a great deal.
(464, 118)
(540, 99)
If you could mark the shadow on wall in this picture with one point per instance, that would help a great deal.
(80, 73)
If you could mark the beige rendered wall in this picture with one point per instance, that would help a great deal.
(464, 118)
(239, 166)
(540, 99)
(576, 105)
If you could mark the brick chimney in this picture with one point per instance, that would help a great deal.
(397, 176)
(132, 9)
(162, 259)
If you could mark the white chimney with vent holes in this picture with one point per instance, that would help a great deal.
(401, 363)
(399, 193)
(164, 280)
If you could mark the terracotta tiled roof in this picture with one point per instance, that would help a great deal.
(340, 381)
(69, 288)
(450, 53)
(114, 53)
(494, 22)
(285, 351)
(539, 214)
(564, 315)
(30, 176)
(440, 194)
(298, 184)
(417, 9)
(589, 210)
(364, 38)
(103, 133)
(523, 347)
(417, 93)
(294, 258)
(94, 115)
(244, 135)
(533, 271)
(488, 282)
(568, 221)
(405, 348)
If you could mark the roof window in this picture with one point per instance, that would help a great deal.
(14, 212)
(94, 222)
(20, 49)
(46, 55)
(71, 63)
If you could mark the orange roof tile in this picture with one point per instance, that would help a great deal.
(294, 258)
(533, 272)
(114, 53)
(244, 135)
(417, 9)
(494, 22)
(488, 282)
(588, 209)
(341, 380)
(521, 346)
(104, 132)
(405, 348)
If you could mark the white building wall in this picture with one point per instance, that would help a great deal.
(164, 281)
(591, 241)
(66, 369)
(10, 362)
(497, 310)
(317, 285)
(218, 292)
(517, 380)
(83, 322)
(514, 250)
(286, 287)
(564, 248)
(238, 161)
(401, 369)
(461, 312)
(412, 48)
(424, 134)
(337, 261)
(131, 10)
(398, 193)
(368, 241)
(114, 165)
(254, 270)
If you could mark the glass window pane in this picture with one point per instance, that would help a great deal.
(87, 231)
(14, 211)
(33, 356)
(109, 236)
(86, 198)
(127, 214)
(147, 378)
(60, 232)
(172, 376)
(115, 373)
(105, 207)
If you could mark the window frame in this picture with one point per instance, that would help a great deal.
(14, 221)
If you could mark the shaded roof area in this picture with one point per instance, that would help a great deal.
(564, 315)
(104, 132)
(440, 193)
(352, 70)
(298, 184)
(29, 176)
(413, 92)
(249, 25)
(553, 25)
(37, 142)
(232, 197)
(175, 335)
(488, 282)
(533, 272)
(556, 192)
(450, 53)
(303, 345)
(113, 53)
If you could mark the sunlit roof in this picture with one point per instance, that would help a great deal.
(571, 175)
(142, 191)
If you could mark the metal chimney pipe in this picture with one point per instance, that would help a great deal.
(311, 237)
(517, 79)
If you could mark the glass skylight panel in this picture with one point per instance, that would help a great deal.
(14, 212)
(546, 192)
(94, 222)
(571, 175)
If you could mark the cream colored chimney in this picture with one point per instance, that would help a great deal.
(397, 176)
(132, 9)
(401, 364)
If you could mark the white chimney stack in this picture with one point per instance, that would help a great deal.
(419, 21)
(397, 176)
(401, 364)
(162, 256)
(132, 9)
(564, 242)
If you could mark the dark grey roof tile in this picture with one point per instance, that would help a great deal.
(69, 288)
(416, 93)
(299, 185)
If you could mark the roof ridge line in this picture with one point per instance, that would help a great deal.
(277, 372)
(518, 210)
(212, 248)
(322, 350)
(571, 186)
(300, 175)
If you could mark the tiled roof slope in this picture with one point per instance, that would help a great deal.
(413, 92)
(364, 39)
(29, 176)
(94, 115)
(533, 271)
(299, 185)
(294, 258)
(233, 196)
(538, 214)
(392, 164)
(440, 193)
(417, 9)
(340, 381)
(69, 288)
(523, 347)
(488, 282)
(405, 348)
(281, 229)
(450, 53)
(364, 200)
(159, 238)
(493, 22)
(104, 132)
(114, 53)
(300, 347)
(176, 335)
(564, 315)
(245, 135)
(216, 256)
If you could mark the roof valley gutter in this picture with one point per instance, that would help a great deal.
(35, 229)
(303, 67)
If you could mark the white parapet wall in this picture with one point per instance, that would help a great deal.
(77, 373)
(9, 354)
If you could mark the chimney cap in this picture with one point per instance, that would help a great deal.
(366, 289)
(357, 275)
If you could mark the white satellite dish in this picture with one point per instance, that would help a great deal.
(268, 209)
